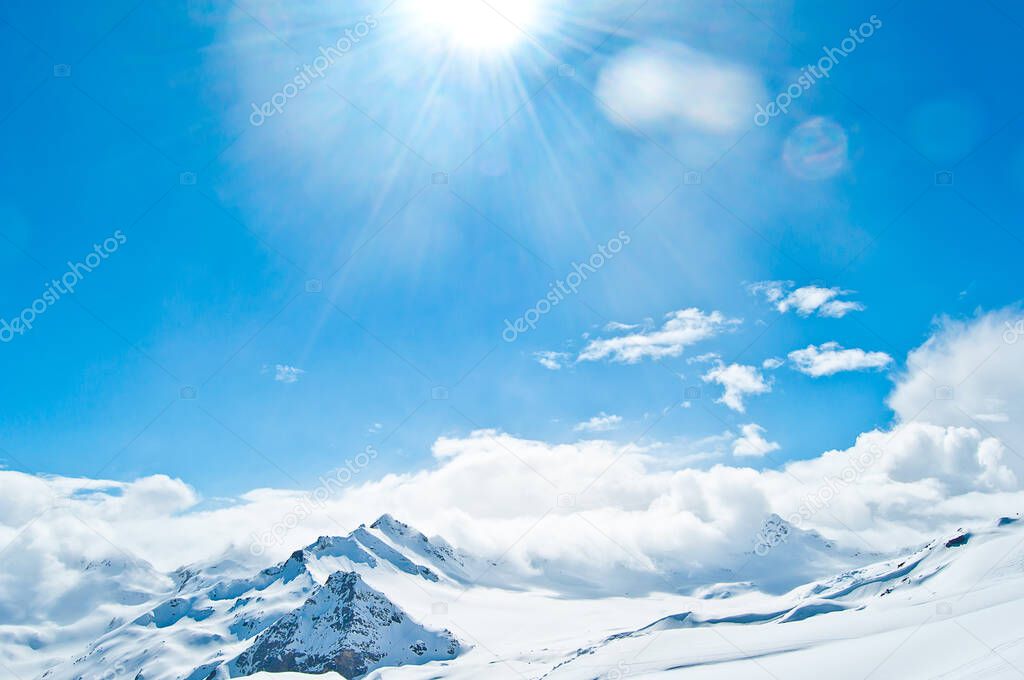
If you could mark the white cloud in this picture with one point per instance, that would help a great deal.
(738, 381)
(287, 374)
(671, 84)
(931, 471)
(772, 363)
(837, 309)
(830, 358)
(806, 300)
(916, 482)
(752, 442)
(969, 373)
(552, 361)
(599, 423)
(705, 358)
(615, 326)
(681, 329)
(992, 417)
(51, 528)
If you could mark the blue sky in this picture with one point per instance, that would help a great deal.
(322, 239)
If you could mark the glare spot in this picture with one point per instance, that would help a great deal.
(815, 150)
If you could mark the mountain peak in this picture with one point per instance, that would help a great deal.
(388, 524)
(347, 627)
(342, 581)
(436, 550)
(774, 519)
(773, 531)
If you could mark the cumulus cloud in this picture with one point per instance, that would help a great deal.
(830, 358)
(287, 374)
(968, 373)
(671, 84)
(751, 442)
(552, 361)
(806, 300)
(889, 489)
(599, 423)
(772, 363)
(738, 381)
(681, 329)
(931, 471)
(55, 530)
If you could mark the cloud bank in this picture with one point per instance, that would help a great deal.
(938, 466)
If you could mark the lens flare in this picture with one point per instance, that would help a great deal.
(816, 149)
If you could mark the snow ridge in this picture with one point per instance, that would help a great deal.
(347, 627)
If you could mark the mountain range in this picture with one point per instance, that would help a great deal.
(387, 601)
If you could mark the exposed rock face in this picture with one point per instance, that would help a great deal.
(347, 627)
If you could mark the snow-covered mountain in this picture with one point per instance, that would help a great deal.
(388, 602)
(784, 556)
(347, 627)
(313, 612)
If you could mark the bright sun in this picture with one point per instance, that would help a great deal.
(481, 25)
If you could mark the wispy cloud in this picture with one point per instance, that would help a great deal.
(615, 326)
(752, 442)
(287, 374)
(739, 381)
(705, 358)
(681, 329)
(602, 422)
(830, 358)
(806, 300)
(669, 84)
(552, 361)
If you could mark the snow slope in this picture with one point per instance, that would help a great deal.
(388, 602)
(949, 609)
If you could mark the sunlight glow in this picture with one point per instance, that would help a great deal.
(479, 25)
